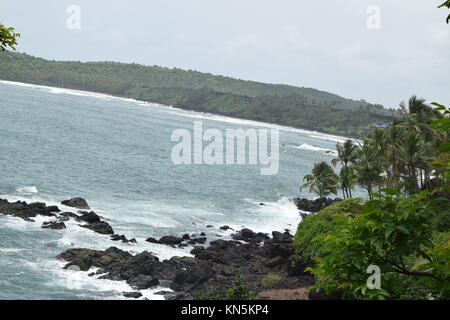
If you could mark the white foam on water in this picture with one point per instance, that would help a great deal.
(12, 250)
(309, 147)
(328, 137)
(81, 283)
(182, 112)
(27, 190)
(270, 216)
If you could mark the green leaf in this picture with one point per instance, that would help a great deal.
(388, 232)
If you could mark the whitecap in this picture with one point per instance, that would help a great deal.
(309, 147)
(11, 250)
(27, 190)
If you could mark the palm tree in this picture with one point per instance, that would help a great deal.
(322, 180)
(347, 154)
(368, 169)
(392, 141)
(413, 153)
(347, 180)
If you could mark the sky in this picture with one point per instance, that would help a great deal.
(382, 51)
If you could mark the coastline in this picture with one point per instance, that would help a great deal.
(211, 116)
(213, 261)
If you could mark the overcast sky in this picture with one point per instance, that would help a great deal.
(297, 42)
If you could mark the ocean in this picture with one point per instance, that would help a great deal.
(56, 144)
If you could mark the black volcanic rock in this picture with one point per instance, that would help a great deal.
(89, 217)
(99, 227)
(116, 237)
(215, 265)
(314, 205)
(53, 225)
(143, 282)
(201, 240)
(134, 295)
(26, 211)
(152, 240)
(78, 203)
(65, 216)
(171, 240)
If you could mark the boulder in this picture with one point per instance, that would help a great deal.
(89, 217)
(152, 240)
(188, 279)
(54, 225)
(270, 263)
(143, 282)
(170, 240)
(197, 241)
(116, 237)
(245, 235)
(65, 216)
(78, 203)
(26, 211)
(99, 227)
(134, 295)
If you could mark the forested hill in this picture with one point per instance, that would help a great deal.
(286, 105)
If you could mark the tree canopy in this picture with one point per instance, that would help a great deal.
(446, 4)
(8, 38)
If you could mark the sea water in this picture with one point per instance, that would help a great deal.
(116, 153)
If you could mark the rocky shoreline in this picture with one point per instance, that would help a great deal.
(215, 264)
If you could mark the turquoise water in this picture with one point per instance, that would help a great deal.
(57, 144)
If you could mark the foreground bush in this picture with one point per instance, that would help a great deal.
(395, 234)
(306, 243)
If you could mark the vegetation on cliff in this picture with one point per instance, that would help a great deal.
(404, 227)
(281, 104)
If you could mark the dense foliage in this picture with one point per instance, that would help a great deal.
(406, 155)
(394, 233)
(307, 242)
(8, 38)
(281, 104)
(404, 228)
(322, 180)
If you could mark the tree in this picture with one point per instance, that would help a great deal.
(393, 233)
(8, 38)
(347, 179)
(368, 169)
(446, 4)
(322, 180)
(347, 154)
(413, 153)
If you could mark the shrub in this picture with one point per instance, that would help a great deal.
(240, 292)
(272, 280)
(307, 246)
(441, 222)
(211, 294)
(395, 234)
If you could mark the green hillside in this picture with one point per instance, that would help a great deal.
(282, 104)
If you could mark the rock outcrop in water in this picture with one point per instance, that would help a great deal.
(213, 266)
(249, 254)
(314, 205)
(55, 225)
(94, 223)
(26, 211)
(78, 203)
